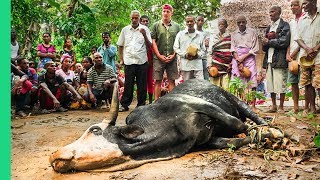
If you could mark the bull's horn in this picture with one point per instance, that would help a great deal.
(114, 109)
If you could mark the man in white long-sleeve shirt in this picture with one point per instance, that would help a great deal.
(190, 66)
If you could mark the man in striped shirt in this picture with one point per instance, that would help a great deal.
(100, 81)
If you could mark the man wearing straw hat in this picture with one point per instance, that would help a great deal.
(309, 41)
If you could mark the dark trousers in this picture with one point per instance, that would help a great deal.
(29, 98)
(132, 72)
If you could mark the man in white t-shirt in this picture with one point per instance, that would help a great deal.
(293, 50)
(15, 48)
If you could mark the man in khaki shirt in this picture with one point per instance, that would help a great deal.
(163, 35)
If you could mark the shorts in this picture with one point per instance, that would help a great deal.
(192, 74)
(293, 78)
(222, 81)
(310, 76)
(276, 79)
(171, 69)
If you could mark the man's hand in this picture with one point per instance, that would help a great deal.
(108, 43)
(170, 58)
(265, 41)
(288, 57)
(309, 51)
(314, 53)
(206, 42)
(92, 98)
(162, 58)
(34, 89)
(189, 57)
(79, 98)
(107, 83)
(121, 63)
(240, 60)
(56, 103)
(143, 31)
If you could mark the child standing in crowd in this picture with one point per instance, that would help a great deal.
(67, 49)
(78, 71)
(121, 79)
(81, 77)
(261, 85)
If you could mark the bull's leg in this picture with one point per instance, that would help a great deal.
(221, 143)
(218, 116)
(248, 112)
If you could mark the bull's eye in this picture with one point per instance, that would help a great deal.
(96, 130)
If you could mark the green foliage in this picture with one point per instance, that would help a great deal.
(310, 116)
(317, 140)
(237, 87)
(231, 148)
(23, 13)
(243, 91)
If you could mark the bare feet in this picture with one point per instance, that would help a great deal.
(280, 111)
(272, 110)
(295, 111)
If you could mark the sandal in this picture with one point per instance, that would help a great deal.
(271, 111)
(61, 109)
(45, 111)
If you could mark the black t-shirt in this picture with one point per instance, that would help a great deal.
(52, 83)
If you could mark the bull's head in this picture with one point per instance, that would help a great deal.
(97, 147)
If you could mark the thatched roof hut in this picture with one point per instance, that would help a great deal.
(256, 12)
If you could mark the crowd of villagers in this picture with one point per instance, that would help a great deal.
(156, 58)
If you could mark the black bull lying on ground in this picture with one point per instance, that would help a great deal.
(195, 114)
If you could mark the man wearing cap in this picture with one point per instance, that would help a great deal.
(53, 90)
(275, 45)
(163, 34)
(133, 43)
(292, 52)
(100, 81)
(190, 65)
(308, 39)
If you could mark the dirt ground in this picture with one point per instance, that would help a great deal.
(36, 137)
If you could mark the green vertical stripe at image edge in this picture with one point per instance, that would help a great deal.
(5, 89)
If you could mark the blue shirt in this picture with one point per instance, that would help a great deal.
(108, 55)
(261, 88)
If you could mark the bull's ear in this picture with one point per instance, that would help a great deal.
(131, 131)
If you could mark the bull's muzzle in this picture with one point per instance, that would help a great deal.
(61, 163)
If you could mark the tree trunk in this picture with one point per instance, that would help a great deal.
(71, 7)
(31, 32)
